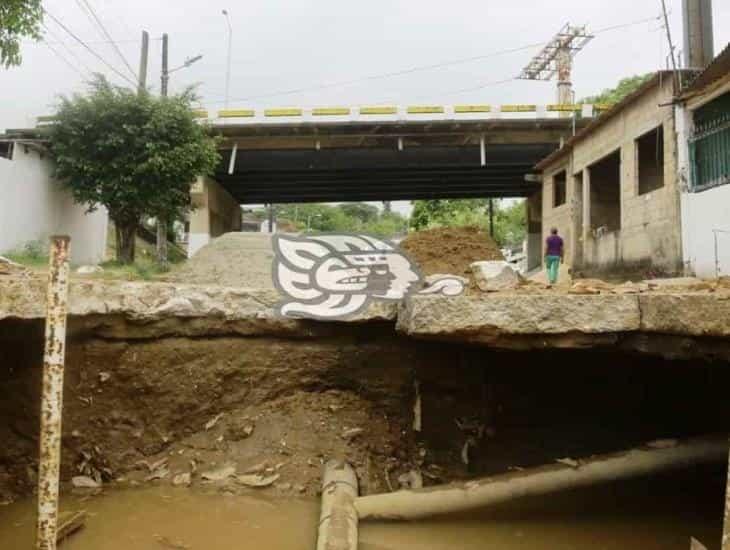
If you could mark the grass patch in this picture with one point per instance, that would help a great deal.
(144, 270)
(33, 254)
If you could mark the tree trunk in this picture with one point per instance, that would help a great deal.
(478, 493)
(162, 241)
(126, 233)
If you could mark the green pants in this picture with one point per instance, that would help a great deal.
(552, 263)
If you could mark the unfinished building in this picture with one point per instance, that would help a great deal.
(611, 190)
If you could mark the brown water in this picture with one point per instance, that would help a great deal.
(659, 514)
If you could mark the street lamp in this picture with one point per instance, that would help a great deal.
(228, 64)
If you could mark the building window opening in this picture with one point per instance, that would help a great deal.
(6, 149)
(650, 160)
(559, 188)
(606, 194)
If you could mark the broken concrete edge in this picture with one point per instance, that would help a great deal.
(497, 315)
(145, 302)
(122, 309)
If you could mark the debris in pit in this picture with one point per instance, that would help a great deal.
(167, 543)
(256, 480)
(104, 376)
(220, 474)
(85, 482)
(182, 480)
(213, 421)
(352, 433)
(568, 462)
(411, 480)
(69, 523)
(662, 443)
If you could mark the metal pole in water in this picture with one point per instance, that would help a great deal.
(52, 396)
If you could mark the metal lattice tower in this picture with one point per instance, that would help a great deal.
(556, 58)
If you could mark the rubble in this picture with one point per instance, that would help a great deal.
(493, 276)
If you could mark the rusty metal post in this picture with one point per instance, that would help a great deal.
(726, 523)
(52, 397)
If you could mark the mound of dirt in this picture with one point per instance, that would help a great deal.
(450, 249)
(233, 259)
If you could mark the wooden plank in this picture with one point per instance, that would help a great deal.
(69, 523)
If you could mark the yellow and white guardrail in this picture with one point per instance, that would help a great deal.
(395, 112)
(389, 112)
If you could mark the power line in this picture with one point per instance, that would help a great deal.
(432, 66)
(91, 51)
(107, 35)
(65, 47)
(62, 58)
(390, 74)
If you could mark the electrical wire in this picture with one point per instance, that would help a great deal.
(106, 34)
(65, 47)
(432, 66)
(62, 58)
(90, 50)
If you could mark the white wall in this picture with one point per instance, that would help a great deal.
(33, 206)
(705, 215)
(701, 214)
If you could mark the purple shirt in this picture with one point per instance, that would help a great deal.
(554, 246)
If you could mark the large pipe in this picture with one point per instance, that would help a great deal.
(52, 396)
(698, 34)
(338, 519)
(478, 493)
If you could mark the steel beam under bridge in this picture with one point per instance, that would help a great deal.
(384, 161)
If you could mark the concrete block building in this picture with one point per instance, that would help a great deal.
(612, 189)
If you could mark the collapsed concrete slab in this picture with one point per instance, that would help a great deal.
(141, 309)
(686, 314)
(484, 318)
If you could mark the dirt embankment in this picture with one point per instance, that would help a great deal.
(450, 250)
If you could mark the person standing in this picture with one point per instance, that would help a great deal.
(553, 255)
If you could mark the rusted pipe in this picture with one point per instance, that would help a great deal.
(52, 396)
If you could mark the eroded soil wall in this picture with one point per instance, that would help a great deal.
(285, 405)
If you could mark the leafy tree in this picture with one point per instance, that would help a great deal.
(622, 89)
(18, 19)
(135, 154)
(347, 217)
(445, 212)
(509, 220)
(361, 211)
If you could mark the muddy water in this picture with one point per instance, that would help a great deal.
(656, 514)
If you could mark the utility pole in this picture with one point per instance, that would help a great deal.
(698, 35)
(161, 221)
(228, 62)
(271, 218)
(491, 218)
(143, 62)
(669, 37)
(165, 78)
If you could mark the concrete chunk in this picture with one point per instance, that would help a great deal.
(494, 276)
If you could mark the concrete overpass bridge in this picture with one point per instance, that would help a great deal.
(380, 153)
(386, 153)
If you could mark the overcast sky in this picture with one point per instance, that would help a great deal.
(283, 45)
(312, 44)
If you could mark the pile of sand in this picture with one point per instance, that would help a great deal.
(450, 249)
(233, 259)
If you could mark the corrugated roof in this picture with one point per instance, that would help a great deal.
(650, 84)
(717, 69)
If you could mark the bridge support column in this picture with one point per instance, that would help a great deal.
(214, 212)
